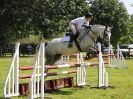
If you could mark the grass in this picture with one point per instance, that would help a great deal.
(121, 79)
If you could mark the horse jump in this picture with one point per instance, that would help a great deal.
(11, 87)
(118, 60)
(38, 76)
(11, 84)
(114, 60)
(81, 74)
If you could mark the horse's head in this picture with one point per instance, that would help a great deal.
(104, 34)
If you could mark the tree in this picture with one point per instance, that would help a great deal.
(130, 30)
(54, 15)
(112, 13)
(20, 18)
(14, 22)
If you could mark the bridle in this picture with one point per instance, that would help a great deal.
(99, 39)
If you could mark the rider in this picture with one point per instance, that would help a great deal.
(77, 25)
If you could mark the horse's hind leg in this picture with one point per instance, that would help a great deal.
(52, 60)
(57, 57)
(49, 61)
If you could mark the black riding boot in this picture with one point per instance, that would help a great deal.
(71, 40)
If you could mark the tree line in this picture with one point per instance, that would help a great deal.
(50, 18)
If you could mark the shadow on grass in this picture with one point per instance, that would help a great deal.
(111, 87)
(112, 67)
(60, 92)
(4, 98)
(66, 92)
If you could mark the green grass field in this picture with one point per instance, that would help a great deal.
(121, 79)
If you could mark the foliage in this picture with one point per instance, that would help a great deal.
(131, 28)
(112, 13)
(20, 18)
(129, 37)
(52, 17)
(24, 17)
(32, 39)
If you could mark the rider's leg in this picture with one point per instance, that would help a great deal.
(72, 26)
(73, 29)
(71, 40)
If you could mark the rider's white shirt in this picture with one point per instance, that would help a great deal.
(80, 22)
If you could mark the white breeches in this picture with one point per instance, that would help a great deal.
(72, 26)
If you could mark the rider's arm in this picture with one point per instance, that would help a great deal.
(87, 23)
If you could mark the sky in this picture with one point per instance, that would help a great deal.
(128, 3)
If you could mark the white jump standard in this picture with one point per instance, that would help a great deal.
(116, 60)
(102, 74)
(37, 79)
(112, 57)
(11, 84)
(121, 63)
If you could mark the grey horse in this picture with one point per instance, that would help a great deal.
(86, 39)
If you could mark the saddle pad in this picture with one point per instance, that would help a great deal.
(65, 38)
